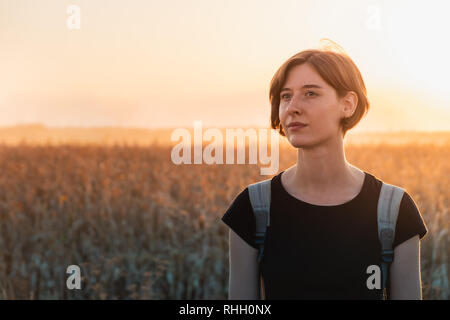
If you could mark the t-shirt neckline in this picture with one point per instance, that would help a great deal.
(351, 201)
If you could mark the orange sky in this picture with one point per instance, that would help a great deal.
(168, 63)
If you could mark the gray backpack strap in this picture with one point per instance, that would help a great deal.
(260, 199)
(388, 207)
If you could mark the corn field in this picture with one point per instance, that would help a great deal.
(141, 227)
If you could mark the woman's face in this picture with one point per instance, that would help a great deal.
(305, 97)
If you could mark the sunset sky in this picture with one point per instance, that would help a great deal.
(158, 64)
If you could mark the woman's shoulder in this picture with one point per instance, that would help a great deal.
(410, 220)
(242, 197)
(373, 178)
(376, 183)
(239, 217)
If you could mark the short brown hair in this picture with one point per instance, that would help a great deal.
(337, 69)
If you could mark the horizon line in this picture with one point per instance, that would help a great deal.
(44, 126)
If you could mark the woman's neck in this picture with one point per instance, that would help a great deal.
(324, 168)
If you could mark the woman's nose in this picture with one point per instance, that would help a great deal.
(294, 105)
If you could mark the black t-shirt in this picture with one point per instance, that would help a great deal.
(321, 252)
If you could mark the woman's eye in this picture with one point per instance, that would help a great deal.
(309, 94)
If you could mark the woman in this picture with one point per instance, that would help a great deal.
(323, 235)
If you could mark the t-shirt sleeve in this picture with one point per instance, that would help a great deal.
(409, 221)
(239, 218)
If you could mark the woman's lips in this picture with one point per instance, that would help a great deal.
(297, 127)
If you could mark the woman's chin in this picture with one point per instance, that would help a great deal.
(297, 141)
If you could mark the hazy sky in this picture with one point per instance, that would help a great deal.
(168, 63)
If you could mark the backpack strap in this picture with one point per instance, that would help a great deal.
(260, 197)
(387, 212)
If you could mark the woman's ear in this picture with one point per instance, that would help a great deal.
(350, 102)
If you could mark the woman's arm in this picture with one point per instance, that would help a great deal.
(405, 283)
(244, 277)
